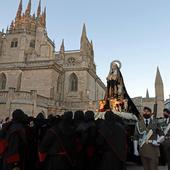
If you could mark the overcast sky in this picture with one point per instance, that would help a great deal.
(136, 32)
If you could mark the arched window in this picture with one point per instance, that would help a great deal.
(14, 43)
(2, 81)
(73, 82)
(32, 43)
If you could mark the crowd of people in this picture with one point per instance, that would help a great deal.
(63, 142)
(76, 141)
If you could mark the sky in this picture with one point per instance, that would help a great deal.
(136, 32)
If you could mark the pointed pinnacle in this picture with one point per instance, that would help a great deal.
(28, 10)
(158, 79)
(147, 93)
(19, 11)
(39, 9)
(84, 30)
(62, 48)
(91, 43)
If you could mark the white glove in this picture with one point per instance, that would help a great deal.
(161, 139)
(135, 145)
(136, 153)
(155, 143)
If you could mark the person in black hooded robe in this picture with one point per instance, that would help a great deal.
(57, 149)
(35, 133)
(41, 126)
(111, 142)
(89, 139)
(79, 131)
(16, 153)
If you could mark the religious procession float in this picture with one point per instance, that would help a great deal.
(116, 97)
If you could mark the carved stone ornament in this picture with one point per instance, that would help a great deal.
(71, 60)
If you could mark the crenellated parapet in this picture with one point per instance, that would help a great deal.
(29, 99)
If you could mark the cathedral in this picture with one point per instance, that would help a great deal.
(36, 78)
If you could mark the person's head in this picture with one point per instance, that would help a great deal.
(114, 66)
(109, 115)
(166, 113)
(67, 117)
(147, 112)
(89, 116)
(40, 116)
(79, 115)
(19, 116)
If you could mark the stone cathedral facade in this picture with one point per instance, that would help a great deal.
(34, 77)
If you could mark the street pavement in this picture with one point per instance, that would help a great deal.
(133, 167)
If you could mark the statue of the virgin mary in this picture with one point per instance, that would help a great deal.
(116, 94)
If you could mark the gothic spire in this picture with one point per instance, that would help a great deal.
(12, 25)
(28, 10)
(84, 44)
(44, 17)
(62, 48)
(39, 9)
(158, 79)
(92, 51)
(19, 10)
(84, 32)
(7, 29)
(92, 44)
(159, 87)
(147, 94)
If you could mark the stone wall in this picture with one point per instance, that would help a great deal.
(40, 80)
(30, 102)
(12, 77)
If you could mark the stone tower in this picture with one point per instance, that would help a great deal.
(159, 93)
(26, 39)
(82, 86)
(86, 50)
(27, 61)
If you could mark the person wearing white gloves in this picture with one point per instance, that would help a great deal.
(145, 140)
(166, 140)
